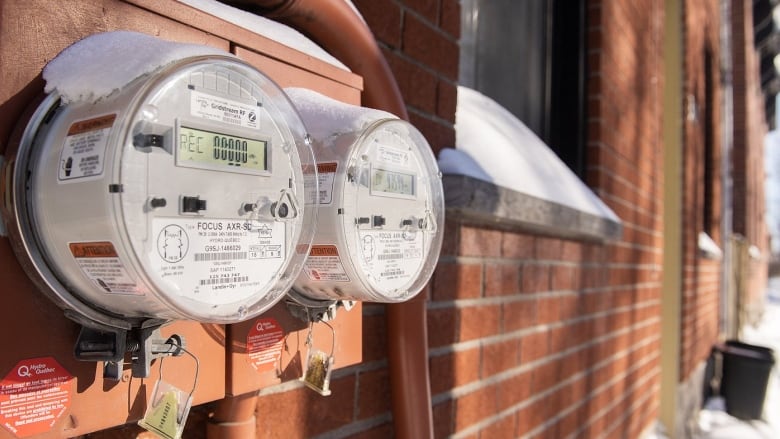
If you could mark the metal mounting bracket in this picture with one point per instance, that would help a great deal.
(310, 310)
(144, 344)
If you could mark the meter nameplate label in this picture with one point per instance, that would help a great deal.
(34, 395)
(84, 149)
(223, 110)
(326, 177)
(264, 344)
(393, 156)
(392, 257)
(324, 264)
(217, 261)
(100, 262)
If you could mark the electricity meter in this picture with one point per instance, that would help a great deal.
(178, 196)
(381, 213)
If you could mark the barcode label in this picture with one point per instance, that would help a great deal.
(387, 256)
(224, 280)
(225, 256)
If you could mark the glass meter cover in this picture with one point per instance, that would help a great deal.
(179, 196)
(381, 213)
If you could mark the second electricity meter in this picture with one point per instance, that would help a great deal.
(179, 196)
(381, 212)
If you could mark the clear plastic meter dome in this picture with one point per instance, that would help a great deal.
(179, 196)
(381, 215)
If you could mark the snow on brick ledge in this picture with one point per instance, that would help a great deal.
(502, 174)
(268, 28)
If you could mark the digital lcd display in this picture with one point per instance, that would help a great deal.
(206, 147)
(392, 182)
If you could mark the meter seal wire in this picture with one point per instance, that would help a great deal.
(168, 409)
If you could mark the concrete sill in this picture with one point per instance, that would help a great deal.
(485, 203)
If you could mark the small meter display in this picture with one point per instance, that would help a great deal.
(381, 216)
(199, 148)
(182, 196)
(389, 182)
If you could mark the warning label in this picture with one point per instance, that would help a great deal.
(264, 344)
(224, 110)
(392, 257)
(324, 264)
(326, 175)
(33, 396)
(100, 262)
(83, 151)
(217, 261)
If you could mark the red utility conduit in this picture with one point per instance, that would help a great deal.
(234, 418)
(336, 27)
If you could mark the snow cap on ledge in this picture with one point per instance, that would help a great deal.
(324, 116)
(101, 64)
(494, 146)
(267, 28)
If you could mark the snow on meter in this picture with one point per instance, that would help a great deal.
(381, 205)
(179, 195)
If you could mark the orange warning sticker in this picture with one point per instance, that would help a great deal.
(264, 344)
(83, 151)
(322, 192)
(322, 168)
(327, 167)
(97, 123)
(324, 264)
(100, 262)
(34, 395)
(102, 249)
(324, 250)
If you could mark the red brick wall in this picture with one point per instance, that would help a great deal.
(533, 335)
(529, 335)
(701, 276)
(419, 39)
(748, 165)
(540, 336)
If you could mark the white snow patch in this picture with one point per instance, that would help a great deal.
(709, 247)
(717, 424)
(324, 116)
(100, 64)
(458, 162)
(507, 153)
(265, 27)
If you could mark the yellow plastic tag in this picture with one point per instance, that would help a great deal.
(317, 374)
(162, 418)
